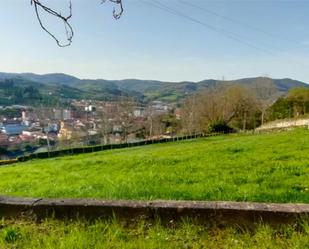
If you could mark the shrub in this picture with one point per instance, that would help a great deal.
(220, 127)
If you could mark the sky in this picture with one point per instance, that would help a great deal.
(169, 40)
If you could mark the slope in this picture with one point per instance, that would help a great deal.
(265, 168)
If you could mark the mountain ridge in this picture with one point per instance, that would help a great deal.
(68, 86)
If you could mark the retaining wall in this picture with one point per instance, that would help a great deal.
(283, 124)
(218, 212)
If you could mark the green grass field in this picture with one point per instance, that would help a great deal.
(265, 168)
(25, 234)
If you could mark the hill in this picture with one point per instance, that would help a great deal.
(264, 168)
(68, 87)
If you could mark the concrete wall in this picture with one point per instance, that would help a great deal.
(284, 124)
(216, 212)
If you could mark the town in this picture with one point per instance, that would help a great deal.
(154, 124)
(27, 129)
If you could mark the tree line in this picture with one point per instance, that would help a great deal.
(239, 107)
(19, 92)
(295, 104)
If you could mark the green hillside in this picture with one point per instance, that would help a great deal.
(266, 168)
(67, 87)
(25, 92)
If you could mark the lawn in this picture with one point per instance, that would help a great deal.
(265, 168)
(114, 234)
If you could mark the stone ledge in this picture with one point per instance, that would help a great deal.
(219, 212)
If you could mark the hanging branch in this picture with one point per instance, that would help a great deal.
(68, 28)
(116, 14)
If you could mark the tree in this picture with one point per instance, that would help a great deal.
(296, 103)
(190, 116)
(44, 8)
(241, 106)
(44, 116)
(154, 125)
(281, 109)
(226, 105)
(125, 117)
(266, 94)
(299, 98)
(104, 125)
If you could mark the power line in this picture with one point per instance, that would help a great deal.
(226, 33)
(232, 20)
(221, 31)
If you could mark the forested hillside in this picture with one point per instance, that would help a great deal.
(65, 87)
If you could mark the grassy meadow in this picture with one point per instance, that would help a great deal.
(25, 234)
(265, 168)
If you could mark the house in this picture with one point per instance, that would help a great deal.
(158, 107)
(65, 131)
(62, 114)
(13, 128)
(4, 140)
(139, 112)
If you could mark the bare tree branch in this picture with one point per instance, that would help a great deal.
(38, 5)
(69, 30)
(116, 14)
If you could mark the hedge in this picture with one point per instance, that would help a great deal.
(5, 162)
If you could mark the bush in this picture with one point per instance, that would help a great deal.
(220, 127)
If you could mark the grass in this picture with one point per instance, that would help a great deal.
(113, 234)
(266, 168)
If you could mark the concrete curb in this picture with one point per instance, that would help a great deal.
(218, 212)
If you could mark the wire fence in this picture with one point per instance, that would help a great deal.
(96, 148)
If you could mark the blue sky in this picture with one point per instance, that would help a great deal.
(212, 39)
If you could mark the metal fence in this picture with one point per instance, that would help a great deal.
(96, 148)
